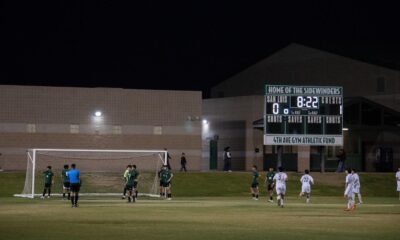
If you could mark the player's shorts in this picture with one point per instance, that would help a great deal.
(47, 185)
(398, 186)
(270, 186)
(129, 187)
(75, 187)
(66, 185)
(165, 184)
(356, 189)
(280, 189)
(305, 188)
(254, 185)
(135, 184)
(349, 191)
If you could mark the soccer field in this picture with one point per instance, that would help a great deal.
(207, 206)
(198, 218)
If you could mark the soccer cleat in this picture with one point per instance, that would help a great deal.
(347, 210)
(48, 196)
(256, 199)
(353, 207)
(271, 201)
(169, 199)
(42, 197)
(123, 197)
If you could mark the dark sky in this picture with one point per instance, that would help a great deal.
(187, 45)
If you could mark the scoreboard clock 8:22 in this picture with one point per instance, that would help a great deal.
(303, 115)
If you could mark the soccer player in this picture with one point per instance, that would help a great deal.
(130, 179)
(166, 176)
(306, 182)
(125, 177)
(356, 185)
(48, 181)
(280, 180)
(135, 174)
(398, 181)
(254, 183)
(269, 181)
(348, 193)
(66, 184)
(183, 162)
(75, 184)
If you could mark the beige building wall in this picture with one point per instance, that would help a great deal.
(63, 117)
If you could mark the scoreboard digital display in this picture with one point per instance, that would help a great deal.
(303, 115)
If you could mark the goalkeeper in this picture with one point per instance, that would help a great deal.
(75, 184)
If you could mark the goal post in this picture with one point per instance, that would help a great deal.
(101, 170)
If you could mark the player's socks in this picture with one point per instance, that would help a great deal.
(72, 200)
(169, 195)
(63, 195)
(76, 199)
(253, 195)
(359, 198)
(256, 196)
(69, 196)
(136, 193)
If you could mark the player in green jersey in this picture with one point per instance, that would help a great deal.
(135, 173)
(48, 181)
(254, 183)
(66, 184)
(269, 181)
(165, 179)
(130, 180)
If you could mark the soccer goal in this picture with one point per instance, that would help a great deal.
(101, 170)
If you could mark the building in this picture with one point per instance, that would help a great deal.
(372, 100)
(63, 117)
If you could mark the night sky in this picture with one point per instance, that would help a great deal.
(189, 45)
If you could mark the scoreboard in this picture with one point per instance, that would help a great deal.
(303, 115)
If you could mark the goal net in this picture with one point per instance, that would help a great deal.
(101, 170)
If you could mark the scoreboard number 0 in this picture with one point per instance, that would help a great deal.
(275, 108)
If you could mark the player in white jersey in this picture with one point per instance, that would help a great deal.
(398, 181)
(280, 186)
(306, 182)
(348, 193)
(356, 185)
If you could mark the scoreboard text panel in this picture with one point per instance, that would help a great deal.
(303, 115)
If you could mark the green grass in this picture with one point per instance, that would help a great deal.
(208, 206)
